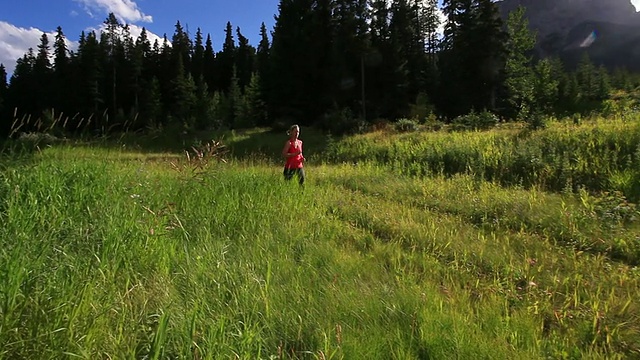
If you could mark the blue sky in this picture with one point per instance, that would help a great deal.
(22, 22)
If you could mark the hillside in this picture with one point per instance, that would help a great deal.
(563, 25)
(615, 45)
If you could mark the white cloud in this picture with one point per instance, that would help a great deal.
(134, 30)
(124, 10)
(16, 41)
(636, 4)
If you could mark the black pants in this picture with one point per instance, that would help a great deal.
(288, 174)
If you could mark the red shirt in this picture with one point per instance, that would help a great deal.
(294, 162)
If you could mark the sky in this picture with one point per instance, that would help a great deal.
(22, 22)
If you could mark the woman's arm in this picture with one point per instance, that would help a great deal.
(301, 152)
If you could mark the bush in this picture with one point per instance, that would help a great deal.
(406, 125)
(422, 108)
(476, 121)
(432, 123)
(342, 122)
(537, 121)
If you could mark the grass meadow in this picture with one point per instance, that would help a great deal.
(504, 244)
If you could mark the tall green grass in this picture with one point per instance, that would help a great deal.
(105, 259)
(597, 155)
(107, 253)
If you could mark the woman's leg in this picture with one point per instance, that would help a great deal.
(288, 173)
(301, 176)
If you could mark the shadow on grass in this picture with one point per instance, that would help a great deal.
(248, 144)
(268, 144)
(257, 144)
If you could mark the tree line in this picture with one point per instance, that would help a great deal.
(335, 64)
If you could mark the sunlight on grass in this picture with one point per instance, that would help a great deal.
(114, 253)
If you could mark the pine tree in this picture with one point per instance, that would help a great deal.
(183, 98)
(181, 47)
(128, 77)
(255, 111)
(235, 118)
(491, 48)
(244, 60)
(315, 69)
(380, 52)
(587, 78)
(263, 52)
(430, 24)
(405, 57)
(569, 93)
(21, 85)
(197, 68)
(42, 72)
(520, 82)
(546, 86)
(90, 75)
(226, 59)
(42, 63)
(604, 84)
(263, 58)
(473, 52)
(210, 66)
(326, 62)
(351, 46)
(111, 45)
(140, 54)
(621, 79)
(150, 105)
(61, 73)
(204, 107)
(167, 75)
(60, 53)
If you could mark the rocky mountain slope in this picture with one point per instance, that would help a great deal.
(608, 30)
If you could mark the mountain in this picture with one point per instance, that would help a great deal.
(607, 30)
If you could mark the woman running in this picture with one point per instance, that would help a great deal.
(292, 152)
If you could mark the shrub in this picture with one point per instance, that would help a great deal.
(341, 122)
(406, 125)
(476, 121)
(422, 108)
(536, 121)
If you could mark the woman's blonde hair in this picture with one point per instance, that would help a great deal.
(291, 129)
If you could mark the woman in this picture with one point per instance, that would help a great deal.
(292, 152)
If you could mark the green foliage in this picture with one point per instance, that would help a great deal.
(253, 110)
(472, 57)
(222, 109)
(536, 121)
(422, 109)
(476, 121)
(405, 125)
(204, 106)
(561, 156)
(519, 71)
(341, 122)
(546, 85)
